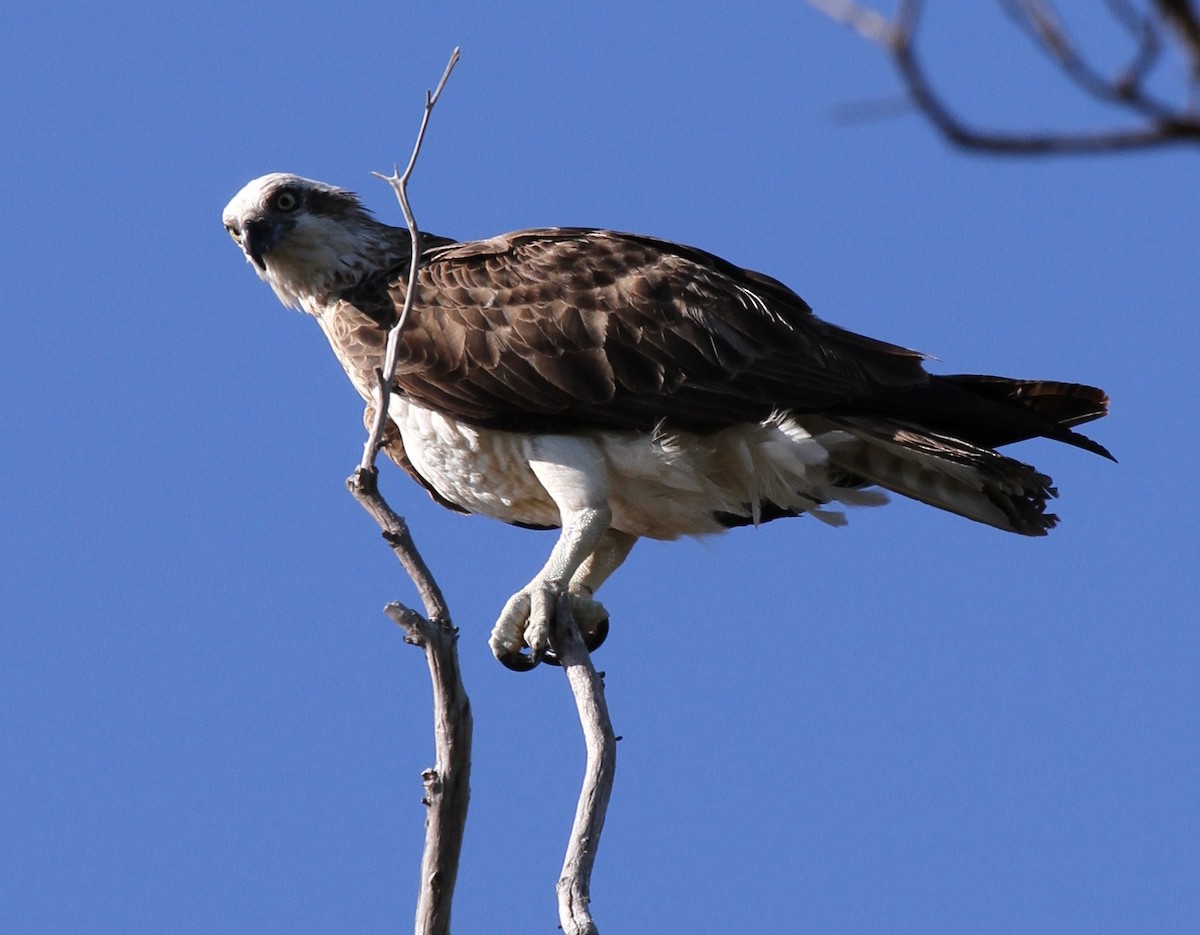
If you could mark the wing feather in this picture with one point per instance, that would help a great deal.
(557, 329)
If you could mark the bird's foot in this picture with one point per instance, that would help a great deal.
(528, 620)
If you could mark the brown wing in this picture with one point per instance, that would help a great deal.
(549, 330)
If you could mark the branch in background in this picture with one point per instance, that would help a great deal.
(1181, 16)
(1158, 123)
(447, 788)
(587, 686)
(1041, 23)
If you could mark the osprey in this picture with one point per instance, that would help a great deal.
(617, 386)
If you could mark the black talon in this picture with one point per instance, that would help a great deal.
(595, 642)
(518, 661)
(524, 662)
(598, 637)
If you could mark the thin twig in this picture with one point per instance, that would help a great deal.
(447, 789)
(872, 26)
(1148, 46)
(587, 687)
(1182, 17)
(399, 185)
(907, 63)
(1160, 124)
(1040, 21)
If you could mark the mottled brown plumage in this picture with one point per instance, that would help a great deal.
(625, 386)
(544, 330)
(560, 329)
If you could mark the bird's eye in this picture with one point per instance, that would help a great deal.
(233, 231)
(286, 201)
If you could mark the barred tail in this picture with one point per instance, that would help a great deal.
(948, 473)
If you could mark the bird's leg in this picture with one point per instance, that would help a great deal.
(573, 472)
(606, 558)
(527, 616)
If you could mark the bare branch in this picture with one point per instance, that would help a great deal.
(866, 22)
(1181, 16)
(1041, 22)
(364, 485)
(587, 686)
(447, 789)
(1148, 47)
(399, 184)
(1159, 123)
(447, 784)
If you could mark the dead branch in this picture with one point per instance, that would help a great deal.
(447, 789)
(1157, 122)
(447, 784)
(399, 184)
(587, 687)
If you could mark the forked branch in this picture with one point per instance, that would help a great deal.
(399, 184)
(1155, 122)
(447, 783)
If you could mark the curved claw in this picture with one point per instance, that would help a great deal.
(518, 661)
(593, 643)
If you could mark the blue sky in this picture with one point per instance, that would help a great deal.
(912, 724)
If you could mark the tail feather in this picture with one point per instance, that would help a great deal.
(995, 411)
(936, 444)
(1064, 404)
(948, 473)
(1059, 405)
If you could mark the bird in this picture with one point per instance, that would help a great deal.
(617, 386)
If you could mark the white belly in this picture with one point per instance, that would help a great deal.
(481, 470)
(661, 485)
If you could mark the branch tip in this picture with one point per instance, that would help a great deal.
(447, 785)
(1161, 124)
(399, 185)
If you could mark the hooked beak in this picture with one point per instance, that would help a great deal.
(259, 237)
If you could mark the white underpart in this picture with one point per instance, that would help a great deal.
(607, 488)
(662, 485)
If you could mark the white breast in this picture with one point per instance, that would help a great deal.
(662, 485)
(481, 470)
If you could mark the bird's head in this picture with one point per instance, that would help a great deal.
(306, 239)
